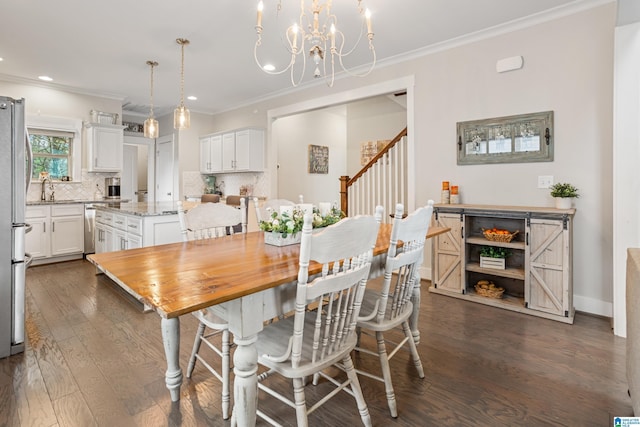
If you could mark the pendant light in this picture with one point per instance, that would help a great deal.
(181, 115)
(151, 124)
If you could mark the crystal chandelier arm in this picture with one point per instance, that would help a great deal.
(368, 71)
(292, 41)
(339, 53)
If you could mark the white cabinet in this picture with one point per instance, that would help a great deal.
(536, 275)
(57, 232)
(37, 240)
(104, 232)
(237, 151)
(229, 152)
(104, 144)
(211, 154)
(120, 231)
(249, 154)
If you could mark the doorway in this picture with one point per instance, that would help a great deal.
(165, 161)
(283, 166)
(138, 173)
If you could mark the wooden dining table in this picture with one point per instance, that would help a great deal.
(230, 272)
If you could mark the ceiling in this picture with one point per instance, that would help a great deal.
(102, 48)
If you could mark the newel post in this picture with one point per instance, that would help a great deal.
(344, 196)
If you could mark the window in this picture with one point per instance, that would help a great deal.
(52, 153)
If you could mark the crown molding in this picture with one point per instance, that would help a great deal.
(38, 83)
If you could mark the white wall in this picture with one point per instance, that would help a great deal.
(626, 145)
(567, 69)
(371, 120)
(293, 135)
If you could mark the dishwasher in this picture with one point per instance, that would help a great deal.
(90, 226)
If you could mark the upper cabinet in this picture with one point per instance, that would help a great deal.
(237, 151)
(211, 154)
(104, 147)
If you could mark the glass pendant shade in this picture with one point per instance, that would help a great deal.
(181, 115)
(181, 118)
(151, 128)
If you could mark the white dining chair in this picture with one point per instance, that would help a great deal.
(321, 333)
(209, 221)
(391, 306)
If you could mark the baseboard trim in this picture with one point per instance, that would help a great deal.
(425, 273)
(592, 306)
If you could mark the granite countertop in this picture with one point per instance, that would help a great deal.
(74, 201)
(58, 202)
(145, 208)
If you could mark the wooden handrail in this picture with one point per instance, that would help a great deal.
(373, 161)
(346, 182)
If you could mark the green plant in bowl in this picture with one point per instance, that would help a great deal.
(564, 189)
(494, 252)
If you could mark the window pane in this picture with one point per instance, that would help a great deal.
(60, 145)
(39, 144)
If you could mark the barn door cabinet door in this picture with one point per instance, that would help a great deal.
(448, 253)
(550, 266)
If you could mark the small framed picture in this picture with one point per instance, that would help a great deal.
(318, 159)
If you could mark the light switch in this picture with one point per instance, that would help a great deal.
(545, 181)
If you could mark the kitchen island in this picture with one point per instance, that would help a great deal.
(135, 225)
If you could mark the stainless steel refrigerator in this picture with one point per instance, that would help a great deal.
(15, 171)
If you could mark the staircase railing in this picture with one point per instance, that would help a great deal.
(382, 181)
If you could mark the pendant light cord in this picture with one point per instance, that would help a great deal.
(152, 64)
(182, 42)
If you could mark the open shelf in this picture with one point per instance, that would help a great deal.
(510, 272)
(484, 242)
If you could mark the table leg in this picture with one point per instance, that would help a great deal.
(245, 383)
(171, 341)
(245, 322)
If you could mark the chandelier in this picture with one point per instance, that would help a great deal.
(151, 124)
(181, 115)
(316, 33)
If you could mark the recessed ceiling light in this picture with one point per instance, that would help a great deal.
(45, 78)
(1, 59)
(269, 67)
(192, 98)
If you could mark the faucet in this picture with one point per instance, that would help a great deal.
(43, 194)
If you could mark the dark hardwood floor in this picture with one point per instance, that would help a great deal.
(93, 359)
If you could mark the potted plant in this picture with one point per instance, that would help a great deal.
(284, 228)
(564, 192)
(493, 257)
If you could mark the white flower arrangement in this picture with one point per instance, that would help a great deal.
(292, 222)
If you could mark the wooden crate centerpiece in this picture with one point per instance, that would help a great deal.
(495, 263)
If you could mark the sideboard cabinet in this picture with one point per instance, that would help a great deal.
(537, 274)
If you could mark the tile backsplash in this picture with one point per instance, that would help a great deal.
(193, 183)
(71, 190)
